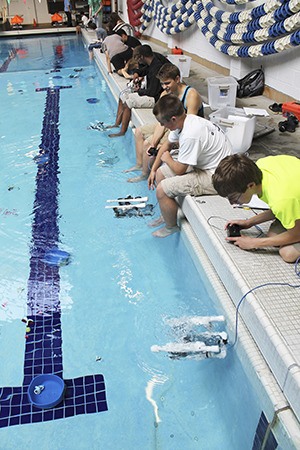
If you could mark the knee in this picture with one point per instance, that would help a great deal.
(138, 134)
(159, 177)
(289, 254)
(160, 193)
(145, 145)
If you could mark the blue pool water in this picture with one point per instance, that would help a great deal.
(112, 302)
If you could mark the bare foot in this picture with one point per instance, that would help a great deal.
(112, 135)
(165, 231)
(137, 179)
(112, 126)
(133, 169)
(157, 222)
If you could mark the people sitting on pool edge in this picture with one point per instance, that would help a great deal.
(202, 145)
(114, 24)
(275, 179)
(150, 63)
(116, 52)
(154, 135)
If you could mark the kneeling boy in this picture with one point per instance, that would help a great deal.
(275, 179)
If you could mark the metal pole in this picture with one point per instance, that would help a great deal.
(35, 12)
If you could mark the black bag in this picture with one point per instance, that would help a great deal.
(252, 84)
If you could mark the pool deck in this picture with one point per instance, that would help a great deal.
(31, 31)
(271, 313)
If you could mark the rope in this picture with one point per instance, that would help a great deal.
(263, 30)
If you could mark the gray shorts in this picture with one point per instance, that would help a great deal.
(134, 100)
(148, 130)
(195, 182)
(277, 228)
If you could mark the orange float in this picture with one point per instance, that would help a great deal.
(56, 18)
(17, 20)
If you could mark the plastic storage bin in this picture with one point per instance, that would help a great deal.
(238, 127)
(221, 91)
(183, 63)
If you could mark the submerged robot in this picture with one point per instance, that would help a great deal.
(132, 207)
(192, 344)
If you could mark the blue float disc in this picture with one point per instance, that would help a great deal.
(46, 391)
(92, 100)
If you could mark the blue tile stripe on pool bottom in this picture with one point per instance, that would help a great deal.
(43, 348)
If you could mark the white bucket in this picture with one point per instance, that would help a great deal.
(239, 127)
(183, 62)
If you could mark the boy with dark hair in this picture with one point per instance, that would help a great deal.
(116, 52)
(128, 40)
(202, 145)
(275, 179)
(101, 35)
(154, 135)
(143, 97)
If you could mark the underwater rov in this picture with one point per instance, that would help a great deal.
(194, 344)
(99, 126)
(131, 206)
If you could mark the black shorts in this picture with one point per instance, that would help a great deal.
(120, 59)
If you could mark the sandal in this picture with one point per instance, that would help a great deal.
(276, 107)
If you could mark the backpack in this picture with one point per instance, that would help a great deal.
(252, 84)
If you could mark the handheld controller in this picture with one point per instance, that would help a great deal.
(233, 230)
(152, 151)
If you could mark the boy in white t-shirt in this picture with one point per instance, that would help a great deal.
(202, 145)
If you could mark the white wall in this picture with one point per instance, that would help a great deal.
(193, 41)
(29, 10)
(283, 72)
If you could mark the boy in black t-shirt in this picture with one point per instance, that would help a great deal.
(150, 64)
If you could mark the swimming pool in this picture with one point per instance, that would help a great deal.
(111, 302)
